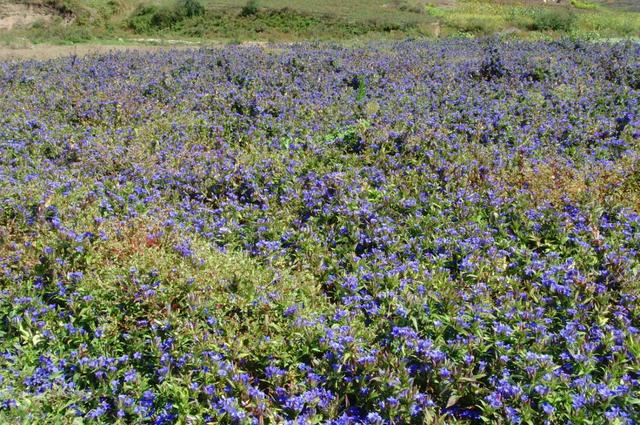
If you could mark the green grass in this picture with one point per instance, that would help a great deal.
(538, 21)
(282, 20)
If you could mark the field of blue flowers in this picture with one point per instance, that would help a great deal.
(425, 233)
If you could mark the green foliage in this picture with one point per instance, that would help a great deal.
(561, 20)
(280, 20)
(190, 8)
(286, 20)
(148, 19)
(250, 9)
(64, 7)
(580, 4)
(411, 8)
(152, 18)
(362, 88)
(478, 26)
(200, 245)
(59, 33)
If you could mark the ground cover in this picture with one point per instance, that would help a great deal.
(404, 233)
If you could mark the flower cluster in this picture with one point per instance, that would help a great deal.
(404, 233)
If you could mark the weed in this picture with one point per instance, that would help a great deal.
(561, 20)
(251, 8)
(190, 8)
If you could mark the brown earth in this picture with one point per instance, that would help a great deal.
(14, 15)
(45, 51)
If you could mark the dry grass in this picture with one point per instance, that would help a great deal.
(46, 51)
(556, 182)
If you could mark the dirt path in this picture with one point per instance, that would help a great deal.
(44, 51)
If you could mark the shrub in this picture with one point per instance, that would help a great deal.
(190, 8)
(250, 9)
(579, 4)
(556, 20)
(476, 26)
(536, 71)
(409, 7)
(151, 18)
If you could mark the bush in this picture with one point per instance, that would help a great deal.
(152, 18)
(250, 9)
(555, 20)
(475, 25)
(579, 4)
(148, 19)
(190, 8)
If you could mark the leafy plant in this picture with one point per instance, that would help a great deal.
(586, 5)
(149, 19)
(553, 19)
(190, 8)
(152, 18)
(251, 8)
(492, 65)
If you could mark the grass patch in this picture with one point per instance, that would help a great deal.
(278, 24)
(559, 20)
(585, 5)
(280, 20)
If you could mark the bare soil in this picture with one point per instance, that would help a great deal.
(44, 51)
(14, 15)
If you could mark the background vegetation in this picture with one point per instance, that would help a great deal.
(280, 20)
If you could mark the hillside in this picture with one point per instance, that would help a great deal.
(628, 5)
(73, 21)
